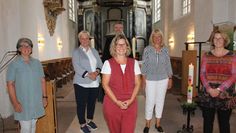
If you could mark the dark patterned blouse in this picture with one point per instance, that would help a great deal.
(218, 72)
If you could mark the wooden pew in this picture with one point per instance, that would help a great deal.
(176, 63)
(48, 123)
(60, 70)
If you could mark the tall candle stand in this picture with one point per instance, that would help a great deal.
(189, 106)
(189, 109)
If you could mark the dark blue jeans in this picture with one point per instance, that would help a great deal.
(223, 119)
(85, 97)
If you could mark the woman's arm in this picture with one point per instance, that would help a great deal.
(77, 64)
(108, 91)
(144, 62)
(230, 81)
(169, 70)
(203, 72)
(137, 84)
(99, 61)
(12, 94)
(135, 91)
(44, 92)
(143, 79)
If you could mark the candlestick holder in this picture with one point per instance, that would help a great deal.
(189, 109)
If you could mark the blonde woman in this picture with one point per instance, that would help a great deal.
(121, 82)
(157, 76)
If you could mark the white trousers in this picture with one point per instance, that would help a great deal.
(28, 126)
(155, 97)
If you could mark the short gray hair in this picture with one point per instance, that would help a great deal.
(83, 32)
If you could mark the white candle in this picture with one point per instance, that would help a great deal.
(190, 83)
(190, 94)
(133, 46)
(190, 74)
(92, 43)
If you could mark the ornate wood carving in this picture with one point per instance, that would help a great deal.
(52, 9)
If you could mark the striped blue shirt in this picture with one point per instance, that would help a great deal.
(156, 65)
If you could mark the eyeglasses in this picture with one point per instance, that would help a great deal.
(25, 46)
(220, 38)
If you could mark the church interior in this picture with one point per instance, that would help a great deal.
(53, 27)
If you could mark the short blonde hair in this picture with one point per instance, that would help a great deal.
(114, 43)
(83, 32)
(157, 32)
(224, 36)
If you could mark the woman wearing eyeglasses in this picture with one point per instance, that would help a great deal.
(121, 82)
(26, 86)
(218, 76)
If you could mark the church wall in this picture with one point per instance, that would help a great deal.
(204, 14)
(203, 22)
(178, 28)
(220, 11)
(26, 19)
(232, 11)
(51, 50)
(9, 14)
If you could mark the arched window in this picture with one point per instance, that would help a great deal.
(156, 11)
(186, 6)
(71, 5)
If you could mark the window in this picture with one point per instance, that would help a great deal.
(186, 6)
(71, 4)
(157, 11)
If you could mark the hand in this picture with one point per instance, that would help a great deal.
(127, 103)
(213, 92)
(92, 75)
(121, 104)
(17, 107)
(45, 102)
(143, 82)
(169, 84)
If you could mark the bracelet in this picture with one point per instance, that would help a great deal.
(45, 96)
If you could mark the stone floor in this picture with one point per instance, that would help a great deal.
(172, 121)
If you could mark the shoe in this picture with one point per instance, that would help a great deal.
(159, 129)
(146, 130)
(84, 129)
(92, 125)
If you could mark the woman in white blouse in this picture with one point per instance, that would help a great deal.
(121, 82)
(87, 65)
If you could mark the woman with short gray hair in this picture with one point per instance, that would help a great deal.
(87, 65)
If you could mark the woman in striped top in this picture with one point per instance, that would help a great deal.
(157, 78)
